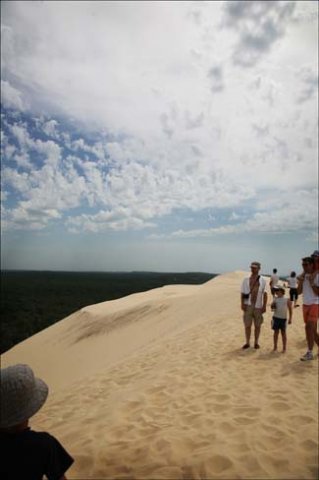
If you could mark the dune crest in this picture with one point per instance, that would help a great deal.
(155, 385)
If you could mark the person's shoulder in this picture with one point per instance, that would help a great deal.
(44, 438)
(263, 280)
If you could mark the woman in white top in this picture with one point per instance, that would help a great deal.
(293, 292)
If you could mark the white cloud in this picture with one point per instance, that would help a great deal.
(309, 78)
(11, 97)
(49, 128)
(120, 219)
(275, 215)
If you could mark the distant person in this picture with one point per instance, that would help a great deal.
(26, 454)
(281, 306)
(293, 291)
(253, 303)
(308, 285)
(274, 279)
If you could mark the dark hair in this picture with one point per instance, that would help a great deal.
(293, 274)
(307, 260)
(275, 270)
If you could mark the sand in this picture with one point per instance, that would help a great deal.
(156, 386)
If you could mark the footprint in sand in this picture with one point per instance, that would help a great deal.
(244, 420)
(133, 405)
(301, 419)
(83, 462)
(218, 464)
(251, 411)
(309, 445)
(221, 397)
(218, 407)
(227, 427)
(280, 406)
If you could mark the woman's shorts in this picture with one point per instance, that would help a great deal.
(293, 293)
(279, 323)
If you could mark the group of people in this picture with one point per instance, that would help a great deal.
(254, 299)
(30, 455)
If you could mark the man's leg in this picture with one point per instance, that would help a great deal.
(310, 337)
(316, 336)
(247, 322)
(248, 334)
(257, 333)
(276, 333)
(310, 319)
(258, 320)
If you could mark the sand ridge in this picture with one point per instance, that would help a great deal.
(187, 403)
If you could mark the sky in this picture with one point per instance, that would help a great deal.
(162, 136)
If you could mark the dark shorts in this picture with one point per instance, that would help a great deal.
(279, 323)
(293, 294)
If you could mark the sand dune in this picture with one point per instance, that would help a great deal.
(156, 386)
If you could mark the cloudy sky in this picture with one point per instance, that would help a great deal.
(168, 136)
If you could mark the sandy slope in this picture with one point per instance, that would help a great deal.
(155, 385)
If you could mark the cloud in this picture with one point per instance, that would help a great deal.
(215, 75)
(309, 79)
(259, 25)
(11, 97)
(120, 219)
(303, 216)
(134, 127)
(49, 128)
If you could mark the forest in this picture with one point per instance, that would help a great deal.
(33, 300)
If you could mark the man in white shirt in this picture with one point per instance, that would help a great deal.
(253, 303)
(308, 285)
(274, 279)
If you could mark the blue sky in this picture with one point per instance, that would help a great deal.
(169, 136)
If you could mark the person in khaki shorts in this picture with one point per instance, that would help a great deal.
(253, 303)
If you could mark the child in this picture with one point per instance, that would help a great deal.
(280, 306)
(27, 454)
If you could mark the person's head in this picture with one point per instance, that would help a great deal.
(255, 267)
(307, 264)
(293, 274)
(274, 270)
(315, 257)
(279, 291)
(22, 395)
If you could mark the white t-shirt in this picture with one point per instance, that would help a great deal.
(292, 282)
(309, 296)
(245, 288)
(281, 304)
(274, 279)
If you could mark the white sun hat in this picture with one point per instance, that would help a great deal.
(22, 395)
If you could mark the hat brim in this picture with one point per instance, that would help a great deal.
(30, 408)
